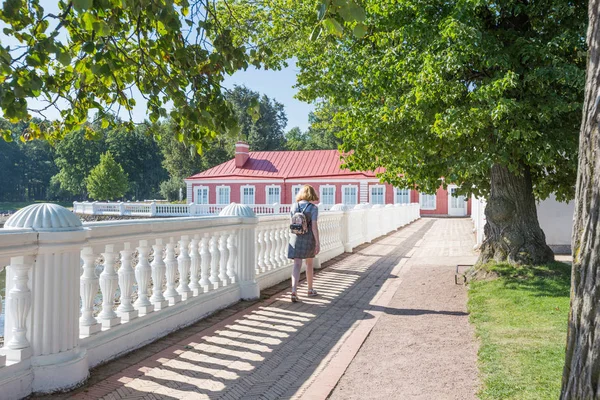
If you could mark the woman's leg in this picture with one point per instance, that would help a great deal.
(309, 273)
(296, 273)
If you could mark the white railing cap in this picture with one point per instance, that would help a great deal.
(339, 207)
(45, 217)
(237, 210)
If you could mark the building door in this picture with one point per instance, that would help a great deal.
(457, 205)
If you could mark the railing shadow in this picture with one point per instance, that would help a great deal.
(273, 349)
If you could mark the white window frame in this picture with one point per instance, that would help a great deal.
(278, 187)
(219, 189)
(196, 193)
(253, 194)
(355, 187)
(429, 196)
(321, 194)
(397, 197)
(294, 193)
(371, 187)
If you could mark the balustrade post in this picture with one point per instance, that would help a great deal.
(214, 258)
(108, 283)
(224, 258)
(158, 275)
(88, 325)
(268, 247)
(285, 237)
(121, 208)
(184, 261)
(195, 266)
(126, 280)
(142, 277)
(153, 210)
(246, 249)
(42, 302)
(231, 262)
(205, 264)
(260, 251)
(171, 268)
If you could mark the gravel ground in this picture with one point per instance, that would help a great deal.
(423, 346)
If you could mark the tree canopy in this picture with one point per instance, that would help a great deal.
(107, 180)
(101, 54)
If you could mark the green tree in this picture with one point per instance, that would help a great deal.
(486, 95)
(582, 361)
(169, 189)
(261, 120)
(92, 54)
(107, 181)
(139, 155)
(76, 157)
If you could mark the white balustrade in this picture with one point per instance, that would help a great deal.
(219, 260)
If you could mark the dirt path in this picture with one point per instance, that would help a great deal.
(422, 346)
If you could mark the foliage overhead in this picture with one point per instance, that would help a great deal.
(438, 88)
(100, 54)
(107, 181)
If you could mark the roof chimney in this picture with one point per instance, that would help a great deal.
(242, 154)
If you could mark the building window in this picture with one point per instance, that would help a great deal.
(427, 201)
(223, 195)
(295, 190)
(327, 195)
(377, 194)
(247, 194)
(273, 194)
(402, 196)
(201, 195)
(350, 195)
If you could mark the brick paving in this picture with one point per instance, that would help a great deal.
(272, 348)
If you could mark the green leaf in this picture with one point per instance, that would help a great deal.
(316, 33)
(88, 21)
(63, 57)
(6, 135)
(333, 27)
(82, 5)
(360, 30)
(352, 12)
(322, 10)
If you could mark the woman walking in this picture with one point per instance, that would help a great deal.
(305, 246)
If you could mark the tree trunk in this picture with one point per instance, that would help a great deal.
(512, 231)
(581, 375)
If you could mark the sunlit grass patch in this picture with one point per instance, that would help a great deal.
(521, 320)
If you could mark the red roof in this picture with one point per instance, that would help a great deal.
(285, 165)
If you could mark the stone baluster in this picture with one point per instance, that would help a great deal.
(142, 276)
(224, 258)
(126, 280)
(171, 269)
(195, 265)
(108, 284)
(89, 284)
(205, 264)
(260, 251)
(184, 261)
(276, 247)
(214, 258)
(158, 275)
(233, 253)
(19, 296)
(268, 249)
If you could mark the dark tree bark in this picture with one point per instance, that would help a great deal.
(512, 230)
(581, 375)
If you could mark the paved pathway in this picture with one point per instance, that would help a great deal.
(276, 349)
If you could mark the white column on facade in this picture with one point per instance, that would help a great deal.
(364, 192)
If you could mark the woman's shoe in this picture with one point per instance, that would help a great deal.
(312, 293)
(294, 298)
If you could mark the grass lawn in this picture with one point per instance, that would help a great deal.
(521, 321)
(16, 205)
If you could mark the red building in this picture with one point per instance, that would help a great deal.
(268, 177)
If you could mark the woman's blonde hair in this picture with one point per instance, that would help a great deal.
(307, 193)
